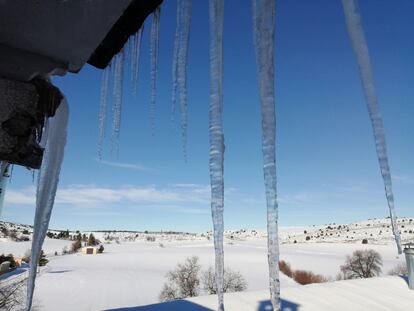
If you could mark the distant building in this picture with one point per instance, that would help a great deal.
(90, 250)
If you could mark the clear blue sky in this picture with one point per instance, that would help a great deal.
(327, 166)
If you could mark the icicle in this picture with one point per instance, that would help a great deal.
(117, 100)
(356, 34)
(182, 67)
(180, 61)
(4, 166)
(46, 189)
(154, 46)
(216, 10)
(135, 56)
(175, 59)
(264, 42)
(103, 108)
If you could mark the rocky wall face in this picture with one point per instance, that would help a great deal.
(23, 110)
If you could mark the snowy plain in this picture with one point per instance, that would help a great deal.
(130, 273)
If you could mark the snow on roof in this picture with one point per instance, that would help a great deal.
(379, 294)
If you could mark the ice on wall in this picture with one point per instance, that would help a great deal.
(264, 42)
(216, 10)
(117, 100)
(103, 103)
(48, 180)
(154, 51)
(359, 44)
(180, 64)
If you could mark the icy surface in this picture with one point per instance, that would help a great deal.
(46, 188)
(180, 61)
(135, 56)
(117, 100)
(216, 8)
(154, 47)
(264, 36)
(356, 34)
(103, 103)
(3, 182)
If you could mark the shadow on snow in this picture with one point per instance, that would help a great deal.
(177, 305)
(184, 305)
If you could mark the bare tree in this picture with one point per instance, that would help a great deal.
(233, 281)
(183, 281)
(362, 264)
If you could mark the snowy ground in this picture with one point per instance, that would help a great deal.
(376, 294)
(131, 274)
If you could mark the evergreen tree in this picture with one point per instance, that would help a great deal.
(91, 240)
(42, 259)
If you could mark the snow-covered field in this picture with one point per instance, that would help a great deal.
(132, 272)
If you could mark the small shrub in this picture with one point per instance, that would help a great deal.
(285, 268)
(308, 238)
(308, 277)
(101, 249)
(42, 260)
(364, 241)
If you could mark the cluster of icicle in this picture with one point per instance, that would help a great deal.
(356, 34)
(264, 35)
(113, 78)
(54, 141)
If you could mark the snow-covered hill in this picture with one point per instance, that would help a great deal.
(140, 265)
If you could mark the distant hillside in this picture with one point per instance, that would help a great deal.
(374, 231)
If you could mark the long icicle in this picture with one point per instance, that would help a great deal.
(135, 57)
(175, 59)
(182, 68)
(154, 50)
(117, 100)
(216, 10)
(360, 47)
(48, 180)
(103, 109)
(264, 42)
